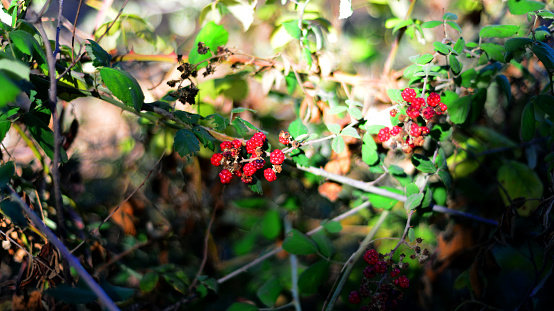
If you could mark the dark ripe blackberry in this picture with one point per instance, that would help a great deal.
(417, 249)
(412, 256)
(425, 252)
(365, 291)
(369, 272)
(419, 240)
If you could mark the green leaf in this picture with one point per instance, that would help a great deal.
(355, 113)
(424, 59)
(441, 131)
(271, 224)
(440, 160)
(117, 293)
(338, 144)
(25, 43)
(411, 234)
(240, 126)
(504, 85)
(72, 295)
(6, 173)
(205, 137)
(37, 123)
(186, 143)
(241, 109)
(100, 58)
(498, 31)
(445, 178)
(8, 89)
(243, 11)
(431, 24)
(13, 210)
(269, 291)
(459, 109)
(313, 277)
(545, 103)
(545, 54)
(527, 130)
(350, 131)
(427, 198)
(297, 128)
(413, 201)
(423, 163)
(450, 17)
(513, 44)
(124, 86)
(307, 56)
(520, 7)
(454, 25)
(15, 69)
(220, 122)
(242, 306)
(324, 245)
(213, 36)
(395, 95)
(291, 83)
(369, 154)
(149, 281)
(187, 117)
(460, 45)
(291, 27)
(520, 181)
(333, 128)
(455, 64)
(178, 280)
(411, 189)
(494, 51)
(299, 244)
(379, 201)
(337, 109)
(332, 226)
(441, 48)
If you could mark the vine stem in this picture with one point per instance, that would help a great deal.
(279, 248)
(347, 268)
(368, 187)
(72, 260)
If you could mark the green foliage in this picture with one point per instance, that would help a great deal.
(124, 86)
(299, 244)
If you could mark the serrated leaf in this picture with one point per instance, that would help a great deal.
(100, 58)
(454, 25)
(459, 109)
(350, 131)
(355, 113)
(409, 72)
(256, 185)
(411, 189)
(271, 224)
(123, 86)
(440, 161)
(149, 281)
(338, 144)
(213, 36)
(424, 59)
(527, 130)
(459, 46)
(520, 7)
(240, 126)
(411, 234)
(441, 48)
(513, 44)
(545, 54)
(337, 109)
(445, 178)
(369, 155)
(427, 198)
(455, 64)
(333, 128)
(299, 244)
(297, 128)
(324, 245)
(413, 201)
(220, 122)
(187, 117)
(431, 24)
(291, 27)
(520, 181)
(395, 94)
(13, 210)
(332, 226)
(27, 44)
(494, 51)
(205, 137)
(423, 163)
(6, 173)
(186, 143)
(178, 280)
(498, 31)
(242, 306)
(313, 277)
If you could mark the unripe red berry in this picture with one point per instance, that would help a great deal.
(395, 130)
(425, 131)
(412, 112)
(226, 145)
(225, 176)
(260, 136)
(284, 138)
(418, 103)
(249, 169)
(415, 130)
(354, 297)
(216, 159)
(408, 95)
(384, 134)
(269, 174)
(277, 157)
(393, 113)
(443, 107)
(433, 99)
(428, 113)
(237, 144)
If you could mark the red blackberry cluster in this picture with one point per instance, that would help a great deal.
(387, 287)
(245, 159)
(408, 134)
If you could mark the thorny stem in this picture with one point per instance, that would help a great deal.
(72, 260)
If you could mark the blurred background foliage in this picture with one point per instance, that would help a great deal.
(154, 243)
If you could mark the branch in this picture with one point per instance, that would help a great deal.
(368, 187)
(73, 261)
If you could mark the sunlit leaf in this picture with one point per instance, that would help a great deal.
(338, 144)
(332, 226)
(413, 201)
(520, 7)
(242, 10)
(292, 28)
(423, 163)
(498, 31)
(213, 36)
(100, 58)
(297, 128)
(124, 86)
(431, 24)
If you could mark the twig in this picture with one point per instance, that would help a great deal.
(347, 268)
(119, 256)
(74, 28)
(58, 30)
(368, 187)
(73, 261)
(294, 271)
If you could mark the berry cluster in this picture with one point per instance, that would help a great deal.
(388, 286)
(245, 159)
(408, 133)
